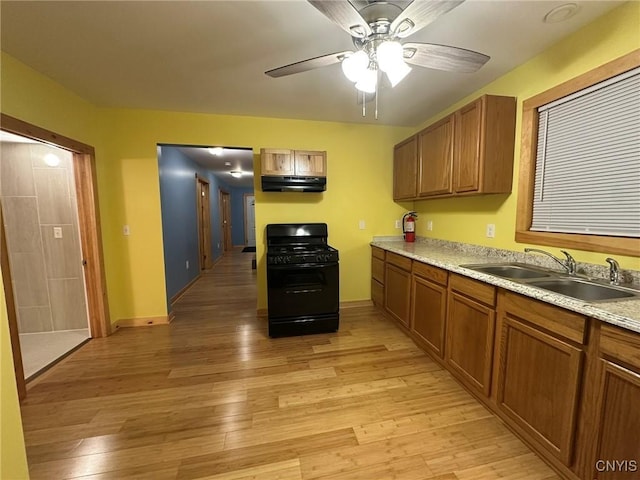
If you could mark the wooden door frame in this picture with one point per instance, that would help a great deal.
(84, 167)
(11, 313)
(225, 236)
(203, 227)
(244, 202)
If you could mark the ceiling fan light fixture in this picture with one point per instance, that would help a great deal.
(396, 74)
(389, 55)
(355, 65)
(368, 81)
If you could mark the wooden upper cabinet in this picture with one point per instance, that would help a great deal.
(405, 169)
(469, 152)
(304, 163)
(484, 143)
(467, 155)
(310, 163)
(435, 153)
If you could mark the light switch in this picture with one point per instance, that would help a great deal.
(361, 225)
(57, 232)
(126, 230)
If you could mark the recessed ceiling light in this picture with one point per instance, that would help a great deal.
(236, 173)
(227, 164)
(52, 160)
(561, 13)
(217, 151)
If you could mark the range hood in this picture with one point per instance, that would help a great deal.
(293, 184)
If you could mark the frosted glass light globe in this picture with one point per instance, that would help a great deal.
(355, 65)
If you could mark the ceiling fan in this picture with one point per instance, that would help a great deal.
(376, 30)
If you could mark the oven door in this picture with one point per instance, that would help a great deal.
(303, 290)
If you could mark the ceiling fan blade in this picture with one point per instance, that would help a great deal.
(419, 14)
(443, 57)
(345, 15)
(309, 64)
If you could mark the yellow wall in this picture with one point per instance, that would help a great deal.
(359, 183)
(13, 459)
(358, 188)
(465, 219)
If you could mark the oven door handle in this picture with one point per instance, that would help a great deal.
(292, 266)
(304, 290)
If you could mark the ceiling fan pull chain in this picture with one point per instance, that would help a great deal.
(376, 111)
(364, 105)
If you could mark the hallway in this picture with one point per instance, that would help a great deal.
(211, 396)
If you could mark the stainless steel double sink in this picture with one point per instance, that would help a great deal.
(581, 288)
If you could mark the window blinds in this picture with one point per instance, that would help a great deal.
(588, 161)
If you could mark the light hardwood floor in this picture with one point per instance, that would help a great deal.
(211, 396)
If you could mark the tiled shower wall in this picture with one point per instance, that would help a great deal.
(47, 271)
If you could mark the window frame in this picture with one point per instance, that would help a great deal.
(528, 149)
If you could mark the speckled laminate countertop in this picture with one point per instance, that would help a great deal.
(449, 256)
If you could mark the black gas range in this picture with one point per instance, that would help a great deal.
(303, 285)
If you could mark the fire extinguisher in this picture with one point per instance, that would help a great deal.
(409, 226)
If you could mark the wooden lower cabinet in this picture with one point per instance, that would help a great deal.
(614, 390)
(470, 332)
(539, 372)
(377, 276)
(397, 292)
(569, 386)
(429, 306)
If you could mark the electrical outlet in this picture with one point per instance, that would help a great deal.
(57, 232)
(491, 230)
(361, 225)
(187, 263)
(398, 223)
(430, 225)
(126, 230)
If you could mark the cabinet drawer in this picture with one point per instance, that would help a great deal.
(399, 261)
(377, 293)
(377, 269)
(377, 253)
(621, 344)
(479, 291)
(559, 321)
(435, 274)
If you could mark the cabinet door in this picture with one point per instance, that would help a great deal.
(277, 162)
(617, 425)
(310, 163)
(405, 169)
(467, 151)
(435, 147)
(538, 385)
(429, 308)
(397, 290)
(377, 279)
(469, 347)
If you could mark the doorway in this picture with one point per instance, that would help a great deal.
(249, 220)
(52, 259)
(204, 223)
(225, 220)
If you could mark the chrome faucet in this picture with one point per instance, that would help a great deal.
(614, 271)
(569, 264)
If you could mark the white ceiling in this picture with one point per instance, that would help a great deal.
(210, 56)
(232, 159)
